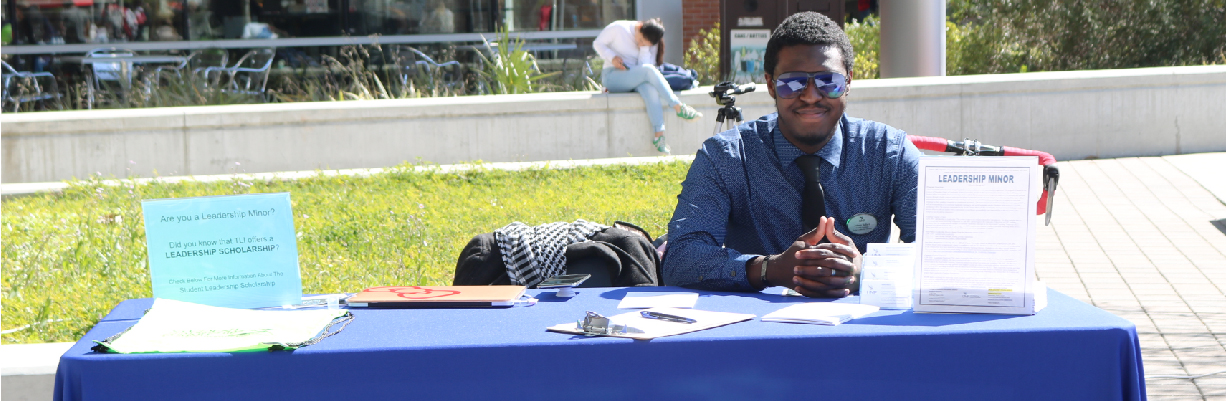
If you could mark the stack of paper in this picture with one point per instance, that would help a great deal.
(641, 300)
(827, 313)
(177, 326)
(975, 235)
(886, 278)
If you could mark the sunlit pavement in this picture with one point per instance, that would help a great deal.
(1145, 239)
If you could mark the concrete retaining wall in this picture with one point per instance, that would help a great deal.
(1073, 115)
(27, 371)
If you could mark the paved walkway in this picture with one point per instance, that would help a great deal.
(1145, 239)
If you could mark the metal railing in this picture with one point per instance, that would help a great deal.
(296, 42)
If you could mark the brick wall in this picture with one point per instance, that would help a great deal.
(696, 16)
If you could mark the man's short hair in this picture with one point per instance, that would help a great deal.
(808, 28)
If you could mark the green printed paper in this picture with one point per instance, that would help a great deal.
(176, 326)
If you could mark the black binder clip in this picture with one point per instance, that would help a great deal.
(596, 325)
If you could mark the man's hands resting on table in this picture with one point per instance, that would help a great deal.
(813, 269)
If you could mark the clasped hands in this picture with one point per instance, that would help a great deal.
(816, 269)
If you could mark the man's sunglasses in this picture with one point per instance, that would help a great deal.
(789, 85)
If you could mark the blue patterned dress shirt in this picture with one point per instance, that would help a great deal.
(741, 198)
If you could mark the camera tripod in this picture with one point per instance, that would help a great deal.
(728, 116)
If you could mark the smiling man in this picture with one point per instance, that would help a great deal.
(793, 198)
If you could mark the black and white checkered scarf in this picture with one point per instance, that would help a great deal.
(533, 254)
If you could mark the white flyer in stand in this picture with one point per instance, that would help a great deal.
(975, 234)
(886, 275)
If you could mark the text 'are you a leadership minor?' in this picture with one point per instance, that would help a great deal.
(235, 251)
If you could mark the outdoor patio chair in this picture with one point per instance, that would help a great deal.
(109, 82)
(491, 53)
(154, 78)
(580, 61)
(249, 75)
(24, 87)
(176, 69)
(411, 62)
(207, 59)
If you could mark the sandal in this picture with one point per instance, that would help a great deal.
(660, 145)
(688, 112)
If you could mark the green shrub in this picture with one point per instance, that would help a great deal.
(865, 40)
(703, 55)
(1055, 35)
(509, 68)
(969, 49)
(1009, 36)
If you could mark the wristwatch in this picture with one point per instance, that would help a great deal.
(762, 276)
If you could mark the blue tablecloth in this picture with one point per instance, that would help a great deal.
(1068, 351)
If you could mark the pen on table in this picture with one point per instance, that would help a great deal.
(666, 317)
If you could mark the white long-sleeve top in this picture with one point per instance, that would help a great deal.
(617, 39)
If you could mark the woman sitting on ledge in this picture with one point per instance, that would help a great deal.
(631, 51)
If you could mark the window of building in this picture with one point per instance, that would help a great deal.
(55, 22)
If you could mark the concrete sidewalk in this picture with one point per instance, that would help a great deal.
(1144, 239)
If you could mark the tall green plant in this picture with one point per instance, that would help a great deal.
(865, 40)
(703, 55)
(1009, 36)
(509, 68)
(1054, 35)
(432, 80)
(360, 73)
(971, 47)
(356, 81)
(176, 89)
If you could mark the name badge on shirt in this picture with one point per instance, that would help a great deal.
(861, 223)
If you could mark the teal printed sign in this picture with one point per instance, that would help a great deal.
(237, 251)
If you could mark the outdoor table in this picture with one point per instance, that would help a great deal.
(126, 62)
(126, 66)
(1070, 350)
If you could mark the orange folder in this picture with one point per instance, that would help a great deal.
(437, 296)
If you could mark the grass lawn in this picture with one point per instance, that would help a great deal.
(68, 258)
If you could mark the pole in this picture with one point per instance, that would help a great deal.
(246, 14)
(912, 38)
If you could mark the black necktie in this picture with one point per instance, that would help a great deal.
(813, 200)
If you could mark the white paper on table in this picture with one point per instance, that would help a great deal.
(886, 294)
(975, 231)
(647, 329)
(643, 300)
(900, 268)
(1040, 295)
(780, 290)
(824, 313)
(886, 275)
(890, 249)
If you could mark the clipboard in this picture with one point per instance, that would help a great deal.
(437, 296)
(634, 325)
